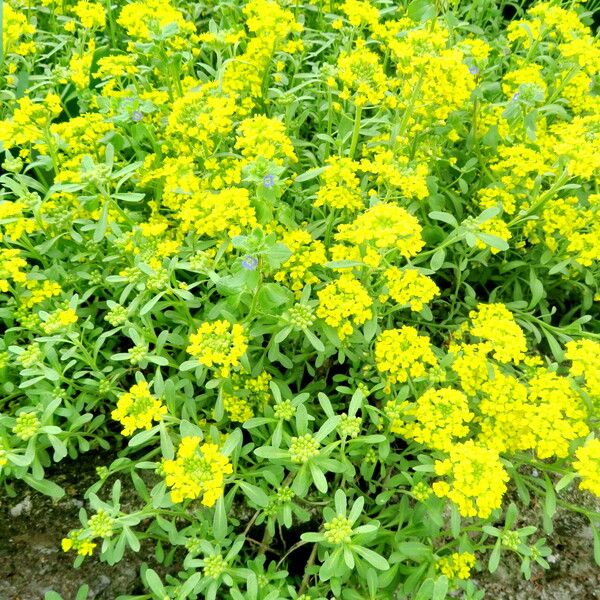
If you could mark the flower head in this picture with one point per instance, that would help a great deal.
(198, 470)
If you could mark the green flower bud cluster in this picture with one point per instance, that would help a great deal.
(27, 426)
(284, 410)
(301, 316)
(349, 426)
(338, 530)
(214, 566)
(101, 524)
(303, 448)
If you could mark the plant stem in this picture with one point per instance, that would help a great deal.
(355, 132)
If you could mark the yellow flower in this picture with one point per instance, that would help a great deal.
(385, 226)
(143, 19)
(11, 268)
(437, 419)
(477, 479)
(587, 466)
(227, 212)
(218, 344)
(363, 77)
(78, 540)
(344, 303)
(457, 565)
(341, 186)
(409, 287)
(15, 28)
(90, 14)
(360, 12)
(496, 324)
(198, 470)
(403, 353)
(137, 408)
(306, 253)
(263, 137)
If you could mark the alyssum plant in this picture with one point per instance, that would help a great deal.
(323, 276)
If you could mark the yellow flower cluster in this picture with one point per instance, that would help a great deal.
(138, 408)
(199, 469)
(360, 12)
(29, 122)
(214, 214)
(341, 186)
(556, 414)
(587, 466)
(270, 24)
(199, 119)
(433, 79)
(395, 170)
(571, 227)
(16, 29)
(344, 303)
(403, 353)
(362, 75)
(11, 268)
(457, 565)
(495, 323)
(61, 319)
(409, 287)
(14, 223)
(249, 394)
(437, 419)
(386, 227)
(306, 253)
(471, 365)
(78, 540)
(142, 20)
(91, 14)
(219, 344)
(264, 137)
(477, 479)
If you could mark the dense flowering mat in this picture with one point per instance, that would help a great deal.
(323, 276)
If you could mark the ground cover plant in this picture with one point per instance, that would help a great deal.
(322, 277)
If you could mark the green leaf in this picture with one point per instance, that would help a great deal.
(440, 588)
(319, 479)
(493, 240)
(437, 260)
(102, 224)
(315, 342)
(271, 453)
(421, 10)
(220, 521)
(188, 587)
(154, 583)
(343, 264)
(254, 493)
(438, 215)
(374, 559)
(565, 481)
(596, 533)
(143, 436)
(310, 174)
(494, 559)
(150, 304)
(46, 487)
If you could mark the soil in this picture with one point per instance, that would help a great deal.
(31, 528)
(32, 562)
